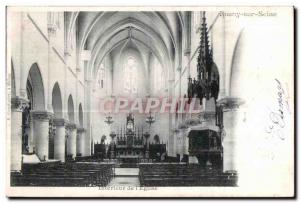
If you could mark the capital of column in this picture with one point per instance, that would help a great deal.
(70, 126)
(192, 121)
(182, 126)
(59, 121)
(80, 130)
(171, 81)
(230, 103)
(78, 69)
(187, 52)
(207, 115)
(52, 27)
(18, 103)
(88, 81)
(41, 115)
(68, 51)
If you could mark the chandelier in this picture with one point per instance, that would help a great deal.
(150, 119)
(108, 120)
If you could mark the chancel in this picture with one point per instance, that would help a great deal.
(130, 142)
(64, 64)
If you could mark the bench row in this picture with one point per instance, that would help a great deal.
(184, 175)
(77, 175)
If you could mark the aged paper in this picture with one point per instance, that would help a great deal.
(150, 102)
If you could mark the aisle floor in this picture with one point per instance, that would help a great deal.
(125, 181)
(125, 177)
(126, 171)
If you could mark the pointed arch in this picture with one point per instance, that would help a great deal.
(80, 115)
(36, 85)
(12, 80)
(71, 109)
(57, 101)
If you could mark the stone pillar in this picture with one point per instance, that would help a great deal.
(179, 69)
(176, 144)
(88, 120)
(71, 139)
(185, 144)
(30, 136)
(92, 148)
(88, 148)
(171, 94)
(209, 114)
(17, 106)
(185, 141)
(41, 133)
(80, 142)
(59, 139)
(230, 132)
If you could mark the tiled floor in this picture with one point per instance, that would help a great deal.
(125, 177)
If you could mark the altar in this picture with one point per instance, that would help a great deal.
(130, 143)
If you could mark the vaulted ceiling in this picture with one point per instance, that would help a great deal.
(103, 33)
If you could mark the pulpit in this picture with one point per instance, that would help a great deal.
(206, 145)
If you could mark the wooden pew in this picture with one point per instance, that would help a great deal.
(68, 174)
(176, 174)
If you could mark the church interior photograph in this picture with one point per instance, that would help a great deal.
(117, 98)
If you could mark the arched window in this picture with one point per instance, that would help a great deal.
(159, 76)
(196, 20)
(100, 77)
(130, 73)
(55, 18)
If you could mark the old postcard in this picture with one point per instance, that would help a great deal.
(150, 102)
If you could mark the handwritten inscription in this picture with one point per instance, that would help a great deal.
(277, 118)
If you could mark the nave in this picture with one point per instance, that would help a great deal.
(61, 80)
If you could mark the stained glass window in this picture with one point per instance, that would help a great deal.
(100, 77)
(130, 73)
(159, 76)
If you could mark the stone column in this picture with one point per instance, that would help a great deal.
(17, 106)
(41, 133)
(229, 132)
(87, 143)
(59, 139)
(30, 135)
(80, 142)
(88, 120)
(170, 149)
(71, 139)
(185, 143)
(92, 147)
(176, 144)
